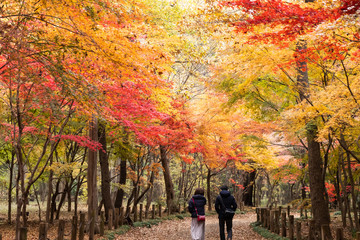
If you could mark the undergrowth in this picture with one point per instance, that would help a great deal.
(256, 226)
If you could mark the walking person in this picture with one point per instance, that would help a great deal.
(225, 206)
(197, 209)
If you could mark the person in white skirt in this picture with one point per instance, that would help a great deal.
(197, 209)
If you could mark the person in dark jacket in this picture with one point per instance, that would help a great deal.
(197, 207)
(225, 201)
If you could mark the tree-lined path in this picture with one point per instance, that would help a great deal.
(110, 109)
(180, 229)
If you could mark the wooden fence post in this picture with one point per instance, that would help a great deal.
(110, 219)
(268, 218)
(277, 222)
(159, 210)
(266, 210)
(135, 213)
(146, 212)
(257, 215)
(116, 221)
(153, 211)
(82, 226)
(298, 230)
(23, 233)
(283, 224)
(74, 227)
(61, 230)
(311, 229)
(288, 210)
(102, 223)
(339, 234)
(141, 212)
(121, 216)
(43, 231)
(291, 227)
(272, 221)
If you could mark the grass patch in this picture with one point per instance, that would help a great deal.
(256, 226)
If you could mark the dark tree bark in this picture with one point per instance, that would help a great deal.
(249, 187)
(105, 172)
(91, 179)
(208, 189)
(122, 181)
(169, 187)
(11, 169)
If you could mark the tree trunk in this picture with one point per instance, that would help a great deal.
(53, 201)
(319, 204)
(249, 185)
(122, 181)
(91, 179)
(105, 172)
(11, 169)
(169, 187)
(208, 189)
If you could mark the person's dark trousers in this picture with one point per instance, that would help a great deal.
(228, 222)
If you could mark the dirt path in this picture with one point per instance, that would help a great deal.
(180, 229)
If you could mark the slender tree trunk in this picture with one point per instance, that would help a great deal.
(122, 181)
(92, 179)
(53, 201)
(169, 187)
(62, 199)
(68, 194)
(105, 172)
(341, 202)
(11, 169)
(208, 189)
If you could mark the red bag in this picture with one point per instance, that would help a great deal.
(200, 218)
